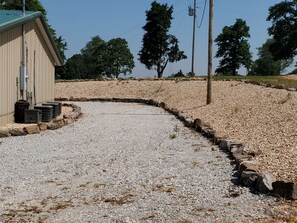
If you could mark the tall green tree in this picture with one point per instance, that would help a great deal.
(265, 65)
(284, 29)
(31, 5)
(158, 47)
(119, 58)
(234, 48)
(35, 5)
(99, 58)
(74, 68)
(95, 57)
(61, 44)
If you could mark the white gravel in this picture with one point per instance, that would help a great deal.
(121, 163)
(263, 119)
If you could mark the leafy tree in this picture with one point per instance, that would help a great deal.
(35, 5)
(74, 68)
(60, 43)
(107, 58)
(119, 58)
(99, 58)
(178, 74)
(284, 29)
(159, 47)
(265, 65)
(95, 57)
(234, 48)
(31, 5)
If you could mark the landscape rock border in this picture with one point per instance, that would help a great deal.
(56, 123)
(246, 165)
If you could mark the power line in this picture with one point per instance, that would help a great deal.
(203, 14)
(131, 29)
(176, 2)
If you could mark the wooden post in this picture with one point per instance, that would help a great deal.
(210, 43)
(193, 44)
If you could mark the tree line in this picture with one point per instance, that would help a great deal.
(99, 58)
(274, 56)
(113, 57)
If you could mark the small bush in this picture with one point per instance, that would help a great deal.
(178, 74)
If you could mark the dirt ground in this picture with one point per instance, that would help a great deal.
(264, 119)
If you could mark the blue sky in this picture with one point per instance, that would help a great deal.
(77, 21)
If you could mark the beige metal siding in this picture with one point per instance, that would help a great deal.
(40, 63)
(40, 69)
(10, 62)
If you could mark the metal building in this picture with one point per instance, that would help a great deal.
(28, 57)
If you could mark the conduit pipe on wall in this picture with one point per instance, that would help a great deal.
(24, 58)
(24, 77)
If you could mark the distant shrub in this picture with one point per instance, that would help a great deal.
(178, 74)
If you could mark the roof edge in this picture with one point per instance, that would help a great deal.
(32, 17)
(19, 21)
(49, 34)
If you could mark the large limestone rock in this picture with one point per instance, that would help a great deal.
(42, 126)
(4, 133)
(249, 178)
(264, 183)
(17, 132)
(241, 156)
(250, 165)
(34, 129)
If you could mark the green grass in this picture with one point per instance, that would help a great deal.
(272, 80)
(267, 80)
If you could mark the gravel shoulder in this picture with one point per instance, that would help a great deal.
(123, 163)
(264, 119)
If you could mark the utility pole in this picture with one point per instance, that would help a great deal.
(210, 43)
(193, 45)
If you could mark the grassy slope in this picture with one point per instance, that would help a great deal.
(273, 80)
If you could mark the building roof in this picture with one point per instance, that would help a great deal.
(10, 19)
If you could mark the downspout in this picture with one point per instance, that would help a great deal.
(23, 86)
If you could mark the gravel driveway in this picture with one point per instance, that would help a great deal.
(121, 163)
